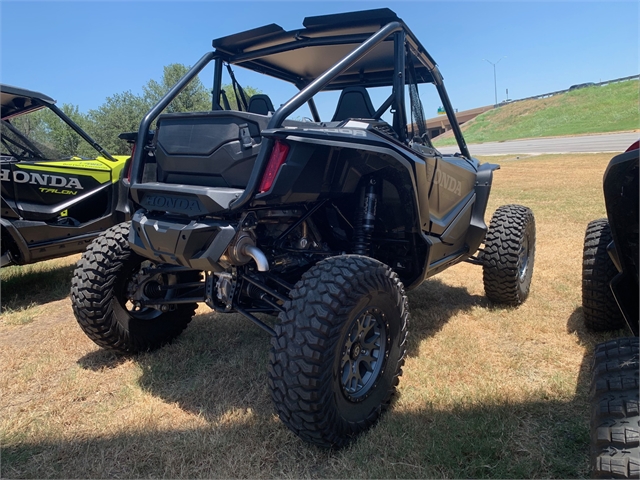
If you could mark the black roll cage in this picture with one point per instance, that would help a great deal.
(395, 31)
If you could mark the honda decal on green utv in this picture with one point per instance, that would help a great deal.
(58, 191)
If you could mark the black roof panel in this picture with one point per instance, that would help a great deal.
(301, 56)
(238, 41)
(380, 16)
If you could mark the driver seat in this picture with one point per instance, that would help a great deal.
(354, 102)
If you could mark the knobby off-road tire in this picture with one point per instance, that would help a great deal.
(601, 312)
(615, 421)
(508, 255)
(99, 298)
(339, 349)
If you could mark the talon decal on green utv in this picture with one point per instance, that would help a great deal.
(54, 201)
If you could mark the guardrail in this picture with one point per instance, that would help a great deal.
(545, 95)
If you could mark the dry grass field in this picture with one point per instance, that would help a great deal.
(487, 392)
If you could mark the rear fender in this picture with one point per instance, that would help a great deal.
(319, 168)
(18, 242)
(620, 186)
(332, 168)
(477, 227)
(624, 287)
(124, 204)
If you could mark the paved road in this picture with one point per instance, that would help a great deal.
(613, 142)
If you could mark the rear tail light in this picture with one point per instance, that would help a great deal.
(277, 158)
(635, 146)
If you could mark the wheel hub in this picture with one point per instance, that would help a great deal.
(355, 351)
(364, 354)
(143, 287)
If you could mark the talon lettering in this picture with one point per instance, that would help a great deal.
(58, 192)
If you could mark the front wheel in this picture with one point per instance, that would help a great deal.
(339, 349)
(109, 285)
(508, 255)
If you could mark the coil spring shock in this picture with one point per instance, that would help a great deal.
(365, 220)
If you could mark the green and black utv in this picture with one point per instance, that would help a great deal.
(60, 189)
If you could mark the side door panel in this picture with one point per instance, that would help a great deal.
(46, 191)
(452, 187)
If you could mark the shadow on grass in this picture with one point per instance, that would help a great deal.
(529, 440)
(575, 324)
(220, 362)
(217, 371)
(432, 305)
(102, 359)
(589, 339)
(30, 285)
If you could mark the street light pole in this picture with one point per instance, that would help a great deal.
(495, 83)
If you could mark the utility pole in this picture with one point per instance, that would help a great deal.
(495, 82)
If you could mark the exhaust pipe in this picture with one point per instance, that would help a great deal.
(244, 249)
(257, 255)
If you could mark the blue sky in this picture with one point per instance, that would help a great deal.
(81, 52)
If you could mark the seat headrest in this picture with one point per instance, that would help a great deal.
(261, 104)
(354, 102)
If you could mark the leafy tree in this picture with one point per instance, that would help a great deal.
(62, 137)
(31, 125)
(53, 137)
(120, 113)
(193, 98)
(123, 112)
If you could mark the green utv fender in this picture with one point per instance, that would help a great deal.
(100, 169)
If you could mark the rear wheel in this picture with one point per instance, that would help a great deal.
(108, 286)
(509, 254)
(615, 420)
(601, 312)
(339, 349)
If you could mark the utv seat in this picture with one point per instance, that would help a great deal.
(260, 104)
(354, 102)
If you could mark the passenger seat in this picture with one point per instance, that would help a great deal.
(261, 104)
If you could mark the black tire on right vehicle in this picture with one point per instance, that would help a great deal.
(508, 255)
(615, 420)
(339, 349)
(599, 307)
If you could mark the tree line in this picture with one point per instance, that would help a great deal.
(121, 112)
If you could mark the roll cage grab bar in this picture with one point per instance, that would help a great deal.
(305, 94)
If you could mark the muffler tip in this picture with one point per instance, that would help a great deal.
(257, 255)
